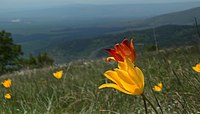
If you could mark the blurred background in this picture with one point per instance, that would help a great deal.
(69, 30)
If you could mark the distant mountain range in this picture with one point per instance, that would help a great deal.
(83, 15)
(185, 17)
(69, 43)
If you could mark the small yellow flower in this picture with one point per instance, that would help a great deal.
(127, 79)
(7, 83)
(158, 87)
(7, 96)
(197, 67)
(58, 74)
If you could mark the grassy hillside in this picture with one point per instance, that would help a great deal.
(37, 91)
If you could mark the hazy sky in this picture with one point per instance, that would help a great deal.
(13, 4)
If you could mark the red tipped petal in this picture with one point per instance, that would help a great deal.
(110, 58)
(113, 53)
(133, 50)
(125, 42)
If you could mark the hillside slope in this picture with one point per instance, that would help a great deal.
(185, 17)
(37, 91)
(167, 36)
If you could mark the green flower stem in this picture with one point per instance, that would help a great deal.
(155, 96)
(149, 103)
(145, 104)
(157, 102)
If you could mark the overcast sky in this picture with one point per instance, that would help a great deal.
(13, 4)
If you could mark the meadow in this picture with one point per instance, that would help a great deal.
(36, 91)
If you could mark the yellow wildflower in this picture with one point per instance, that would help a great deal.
(7, 83)
(158, 87)
(58, 74)
(7, 96)
(197, 67)
(127, 78)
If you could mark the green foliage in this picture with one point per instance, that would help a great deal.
(32, 60)
(41, 60)
(9, 52)
(150, 48)
(44, 60)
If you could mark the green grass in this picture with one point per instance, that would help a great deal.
(36, 91)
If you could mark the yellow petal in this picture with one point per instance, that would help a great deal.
(127, 83)
(58, 74)
(122, 66)
(140, 76)
(110, 58)
(115, 87)
(7, 96)
(196, 69)
(113, 76)
(126, 64)
(134, 72)
(123, 75)
(7, 83)
(158, 87)
(133, 84)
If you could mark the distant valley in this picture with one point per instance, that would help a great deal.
(44, 20)
(85, 34)
(63, 50)
(168, 36)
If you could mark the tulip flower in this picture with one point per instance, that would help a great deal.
(7, 96)
(122, 50)
(197, 67)
(58, 74)
(7, 83)
(158, 87)
(127, 78)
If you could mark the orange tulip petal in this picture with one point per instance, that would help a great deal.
(132, 50)
(122, 50)
(115, 55)
(125, 49)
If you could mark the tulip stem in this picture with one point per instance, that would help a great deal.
(145, 104)
(150, 103)
(157, 102)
